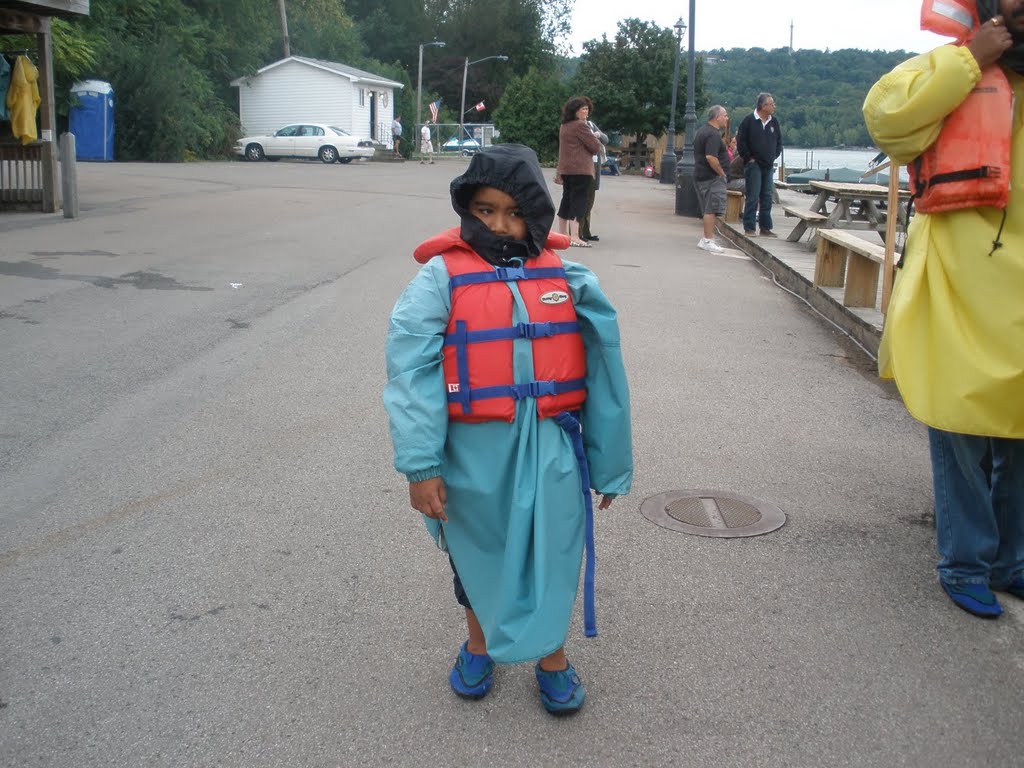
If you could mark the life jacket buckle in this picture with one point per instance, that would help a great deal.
(534, 389)
(534, 330)
(509, 274)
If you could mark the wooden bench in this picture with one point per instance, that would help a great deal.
(734, 205)
(850, 262)
(807, 218)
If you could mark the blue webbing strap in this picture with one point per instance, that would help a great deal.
(519, 391)
(505, 275)
(517, 331)
(459, 339)
(572, 427)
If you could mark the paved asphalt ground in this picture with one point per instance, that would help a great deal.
(207, 559)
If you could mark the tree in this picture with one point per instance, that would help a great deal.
(629, 78)
(530, 112)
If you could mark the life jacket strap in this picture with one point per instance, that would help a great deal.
(505, 275)
(571, 425)
(984, 172)
(515, 391)
(517, 331)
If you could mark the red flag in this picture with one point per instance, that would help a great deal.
(480, 107)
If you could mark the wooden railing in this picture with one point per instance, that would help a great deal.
(21, 176)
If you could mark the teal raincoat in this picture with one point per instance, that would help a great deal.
(516, 511)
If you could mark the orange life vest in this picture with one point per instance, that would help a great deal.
(478, 346)
(968, 165)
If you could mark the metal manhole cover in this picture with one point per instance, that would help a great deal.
(712, 513)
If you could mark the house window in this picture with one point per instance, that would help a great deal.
(362, 97)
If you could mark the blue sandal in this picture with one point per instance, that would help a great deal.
(1015, 587)
(973, 598)
(561, 692)
(472, 674)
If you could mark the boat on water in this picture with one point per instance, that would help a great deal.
(841, 175)
(801, 179)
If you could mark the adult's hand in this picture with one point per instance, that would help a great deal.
(989, 43)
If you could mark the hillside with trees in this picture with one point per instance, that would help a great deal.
(818, 93)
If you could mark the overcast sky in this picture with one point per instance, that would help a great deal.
(886, 25)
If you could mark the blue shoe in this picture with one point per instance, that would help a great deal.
(472, 674)
(974, 598)
(561, 692)
(1015, 587)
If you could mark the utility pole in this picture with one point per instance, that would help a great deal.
(790, 37)
(284, 28)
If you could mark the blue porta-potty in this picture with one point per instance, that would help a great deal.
(91, 119)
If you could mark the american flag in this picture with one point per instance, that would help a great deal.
(434, 106)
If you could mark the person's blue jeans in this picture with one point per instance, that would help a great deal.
(979, 507)
(760, 186)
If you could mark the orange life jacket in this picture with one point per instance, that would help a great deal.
(968, 165)
(478, 368)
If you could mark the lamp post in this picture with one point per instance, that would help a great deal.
(419, 95)
(668, 160)
(687, 203)
(462, 110)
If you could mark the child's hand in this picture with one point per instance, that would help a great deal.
(606, 501)
(429, 498)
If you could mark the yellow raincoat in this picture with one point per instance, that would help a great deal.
(23, 100)
(954, 334)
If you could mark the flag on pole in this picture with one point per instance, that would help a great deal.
(480, 107)
(434, 106)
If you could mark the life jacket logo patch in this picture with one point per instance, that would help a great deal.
(453, 388)
(554, 297)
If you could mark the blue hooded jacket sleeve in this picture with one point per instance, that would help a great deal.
(605, 417)
(414, 396)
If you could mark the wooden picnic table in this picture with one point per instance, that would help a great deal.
(855, 206)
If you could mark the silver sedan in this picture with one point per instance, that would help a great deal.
(306, 140)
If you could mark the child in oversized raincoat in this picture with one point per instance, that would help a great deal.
(508, 404)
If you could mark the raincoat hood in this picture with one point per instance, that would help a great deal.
(513, 169)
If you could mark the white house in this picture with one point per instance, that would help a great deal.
(297, 89)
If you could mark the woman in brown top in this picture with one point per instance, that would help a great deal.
(577, 146)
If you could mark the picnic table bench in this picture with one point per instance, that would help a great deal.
(851, 263)
(734, 205)
(808, 219)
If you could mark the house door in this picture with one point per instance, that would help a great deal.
(373, 117)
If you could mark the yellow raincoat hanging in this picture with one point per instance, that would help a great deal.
(23, 100)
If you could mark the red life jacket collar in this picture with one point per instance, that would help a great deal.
(451, 239)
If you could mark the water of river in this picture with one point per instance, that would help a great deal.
(802, 158)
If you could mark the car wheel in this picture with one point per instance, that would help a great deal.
(327, 154)
(254, 152)
(344, 160)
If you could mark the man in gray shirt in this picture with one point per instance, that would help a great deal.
(710, 160)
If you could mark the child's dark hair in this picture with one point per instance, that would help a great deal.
(572, 106)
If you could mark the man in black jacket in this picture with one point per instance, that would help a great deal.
(760, 143)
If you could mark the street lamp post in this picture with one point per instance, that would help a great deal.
(668, 160)
(419, 95)
(462, 110)
(687, 203)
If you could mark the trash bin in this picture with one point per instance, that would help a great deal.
(91, 120)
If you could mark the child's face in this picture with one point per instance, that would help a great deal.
(499, 212)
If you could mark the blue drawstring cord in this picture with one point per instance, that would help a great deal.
(571, 425)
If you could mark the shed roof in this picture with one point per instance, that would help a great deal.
(50, 7)
(353, 74)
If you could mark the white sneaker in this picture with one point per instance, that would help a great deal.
(710, 245)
